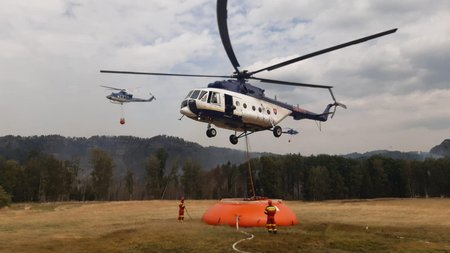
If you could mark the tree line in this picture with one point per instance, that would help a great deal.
(42, 177)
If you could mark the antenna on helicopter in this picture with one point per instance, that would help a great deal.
(319, 125)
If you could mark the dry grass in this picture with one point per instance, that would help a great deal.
(381, 212)
(410, 225)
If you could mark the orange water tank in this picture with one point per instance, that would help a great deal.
(249, 213)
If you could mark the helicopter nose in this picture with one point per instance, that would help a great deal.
(185, 109)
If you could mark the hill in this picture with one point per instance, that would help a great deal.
(131, 152)
(442, 149)
(127, 151)
(413, 155)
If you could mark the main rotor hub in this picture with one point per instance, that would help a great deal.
(241, 75)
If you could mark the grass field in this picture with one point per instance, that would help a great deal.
(386, 225)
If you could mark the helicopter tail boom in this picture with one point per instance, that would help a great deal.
(298, 113)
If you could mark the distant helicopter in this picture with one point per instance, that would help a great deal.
(237, 105)
(123, 96)
(290, 131)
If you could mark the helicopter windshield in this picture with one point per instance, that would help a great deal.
(202, 95)
(195, 94)
(188, 95)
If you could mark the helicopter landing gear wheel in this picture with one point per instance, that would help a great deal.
(233, 139)
(277, 131)
(211, 132)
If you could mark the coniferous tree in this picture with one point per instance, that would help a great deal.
(155, 167)
(337, 186)
(162, 156)
(192, 179)
(12, 179)
(152, 167)
(270, 177)
(318, 182)
(378, 176)
(171, 188)
(101, 174)
(71, 170)
(129, 183)
(5, 198)
(354, 181)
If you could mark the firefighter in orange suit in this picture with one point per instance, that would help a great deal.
(270, 211)
(181, 208)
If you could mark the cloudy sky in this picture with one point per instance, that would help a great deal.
(397, 88)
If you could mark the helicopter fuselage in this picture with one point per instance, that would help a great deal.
(241, 107)
(232, 110)
(120, 97)
(125, 97)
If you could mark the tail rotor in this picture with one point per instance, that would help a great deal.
(336, 103)
(152, 97)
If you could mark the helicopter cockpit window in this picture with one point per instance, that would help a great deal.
(189, 94)
(203, 96)
(214, 98)
(195, 94)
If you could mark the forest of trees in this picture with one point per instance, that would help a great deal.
(42, 178)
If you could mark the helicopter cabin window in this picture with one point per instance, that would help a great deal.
(268, 111)
(237, 103)
(245, 106)
(253, 108)
(259, 109)
(189, 94)
(203, 96)
(214, 98)
(195, 94)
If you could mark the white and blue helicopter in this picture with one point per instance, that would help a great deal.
(237, 105)
(123, 96)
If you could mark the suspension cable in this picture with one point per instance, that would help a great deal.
(250, 168)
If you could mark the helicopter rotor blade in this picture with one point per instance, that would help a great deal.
(323, 51)
(223, 30)
(292, 83)
(159, 74)
(111, 88)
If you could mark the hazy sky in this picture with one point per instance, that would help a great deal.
(397, 88)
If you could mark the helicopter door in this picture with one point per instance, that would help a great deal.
(229, 107)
